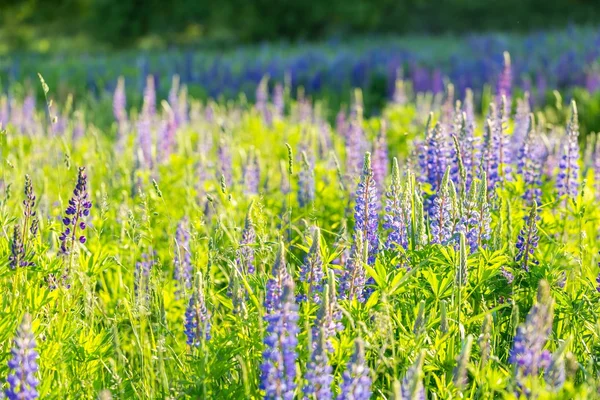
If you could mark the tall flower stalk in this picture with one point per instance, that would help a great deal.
(23, 368)
(567, 181)
(356, 383)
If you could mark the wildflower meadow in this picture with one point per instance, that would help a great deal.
(445, 246)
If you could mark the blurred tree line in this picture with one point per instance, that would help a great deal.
(123, 23)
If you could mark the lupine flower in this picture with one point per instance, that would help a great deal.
(555, 375)
(529, 165)
(18, 256)
(182, 272)
(120, 103)
(197, 319)
(262, 97)
(355, 145)
(598, 283)
(329, 314)
(567, 181)
(225, 162)
(29, 212)
(23, 368)
(75, 215)
(527, 353)
(441, 213)
(412, 384)
(149, 106)
(380, 158)
(144, 141)
(278, 100)
(353, 279)
(507, 275)
(433, 157)
(489, 156)
(166, 137)
(306, 182)
(274, 287)
(502, 140)
(357, 382)
(462, 273)
(522, 124)
(319, 374)
(477, 217)
(173, 98)
(245, 253)
(311, 271)
(278, 370)
(365, 211)
(459, 376)
(527, 241)
(141, 276)
(252, 174)
(398, 211)
(503, 88)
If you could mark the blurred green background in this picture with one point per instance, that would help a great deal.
(42, 26)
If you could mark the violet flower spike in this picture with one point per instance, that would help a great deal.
(356, 383)
(567, 181)
(527, 241)
(23, 368)
(75, 215)
(197, 318)
(278, 370)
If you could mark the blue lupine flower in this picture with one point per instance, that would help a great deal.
(357, 382)
(144, 141)
(352, 283)
(319, 374)
(224, 156)
(503, 87)
(252, 174)
(329, 315)
(278, 370)
(398, 212)
(149, 106)
(311, 271)
(412, 384)
(522, 124)
(18, 256)
(278, 100)
(555, 375)
(567, 181)
(75, 214)
(527, 241)
(141, 276)
(23, 368)
(442, 224)
(197, 318)
(182, 272)
(274, 287)
(529, 165)
(120, 102)
(380, 158)
(355, 147)
(365, 211)
(527, 353)
(433, 158)
(245, 253)
(306, 182)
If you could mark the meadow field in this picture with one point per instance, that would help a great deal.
(164, 239)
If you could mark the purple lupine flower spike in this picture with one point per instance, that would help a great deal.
(120, 103)
(527, 241)
(356, 383)
(144, 141)
(527, 353)
(319, 374)
(75, 215)
(442, 226)
(274, 286)
(252, 174)
(149, 106)
(433, 159)
(278, 101)
(397, 212)
(18, 256)
(245, 253)
(567, 181)
(366, 219)
(529, 165)
(225, 162)
(329, 314)
(504, 86)
(412, 384)
(182, 273)
(352, 284)
(197, 318)
(278, 370)
(311, 271)
(23, 368)
(173, 99)
(380, 158)
(306, 182)
(167, 135)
